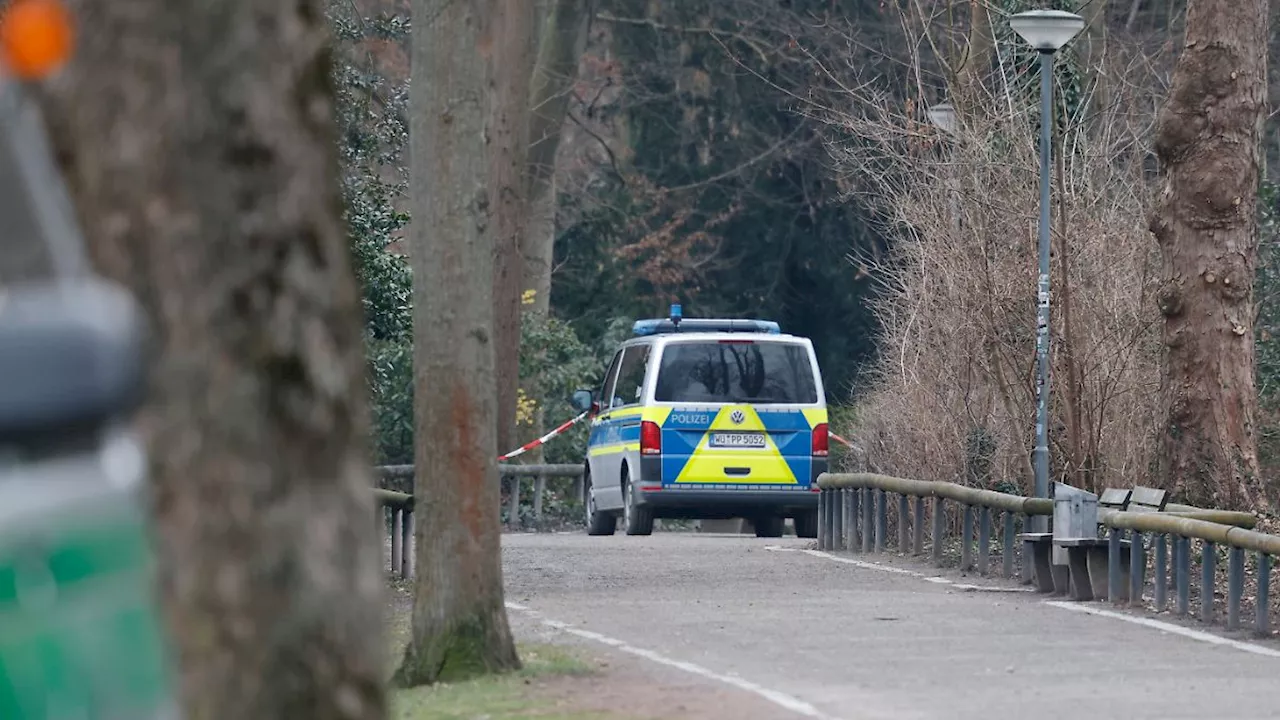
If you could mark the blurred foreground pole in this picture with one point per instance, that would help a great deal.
(80, 634)
(197, 140)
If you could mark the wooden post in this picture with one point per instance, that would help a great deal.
(513, 512)
(539, 489)
(397, 540)
(408, 563)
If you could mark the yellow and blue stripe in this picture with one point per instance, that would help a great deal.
(688, 457)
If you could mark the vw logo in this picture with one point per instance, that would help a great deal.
(738, 417)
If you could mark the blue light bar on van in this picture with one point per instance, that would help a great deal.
(663, 326)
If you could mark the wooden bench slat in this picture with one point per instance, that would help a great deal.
(1151, 499)
(1114, 498)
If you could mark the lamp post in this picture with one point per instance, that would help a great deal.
(943, 116)
(1046, 31)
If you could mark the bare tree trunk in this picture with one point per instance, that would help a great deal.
(979, 50)
(1092, 47)
(539, 254)
(510, 65)
(199, 145)
(1206, 224)
(1076, 463)
(539, 247)
(459, 621)
(563, 41)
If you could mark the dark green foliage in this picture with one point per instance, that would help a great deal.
(1267, 327)
(370, 113)
(728, 203)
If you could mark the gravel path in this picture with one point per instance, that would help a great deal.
(800, 634)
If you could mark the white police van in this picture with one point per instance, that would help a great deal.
(706, 419)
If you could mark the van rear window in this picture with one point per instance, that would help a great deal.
(736, 371)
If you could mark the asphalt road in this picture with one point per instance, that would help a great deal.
(807, 635)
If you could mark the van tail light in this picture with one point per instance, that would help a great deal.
(650, 438)
(820, 440)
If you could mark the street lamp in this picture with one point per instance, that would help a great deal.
(943, 116)
(1046, 31)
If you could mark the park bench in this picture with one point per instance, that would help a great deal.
(1086, 555)
(1072, 560)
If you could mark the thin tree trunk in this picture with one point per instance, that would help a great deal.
(539, 249)
(199, 146)
(1208, 144)
(460, 624)
(1069, 343)
(1091, 48)
(539, 245)
(563, 38)
(977, 60)
(510, 60)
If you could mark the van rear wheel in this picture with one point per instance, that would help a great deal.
(806, 524)
(769, 526)
(598, 523)
(636, 519)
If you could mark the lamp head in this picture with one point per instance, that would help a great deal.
(1047, 30)
(943, 115)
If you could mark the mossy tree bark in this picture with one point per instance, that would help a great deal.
(198, 144)
(1206, 224)
(459, 620)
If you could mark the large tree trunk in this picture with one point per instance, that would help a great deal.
(1206, 224)
(198, 143)
(510, 63)
(459, 620)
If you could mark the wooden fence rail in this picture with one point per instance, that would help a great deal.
(395, 509)
(854, 510)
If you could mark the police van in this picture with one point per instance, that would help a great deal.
(706, 419)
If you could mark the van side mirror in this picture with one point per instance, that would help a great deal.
(583, 400)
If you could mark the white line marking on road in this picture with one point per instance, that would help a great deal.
(1168, 627)
(901, 571)
(780, 699)
(1072, 606)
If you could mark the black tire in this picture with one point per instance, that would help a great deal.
(637, 520)
(807, 524)
(770, 526)
(598, 523)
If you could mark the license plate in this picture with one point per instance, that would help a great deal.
(737, 440)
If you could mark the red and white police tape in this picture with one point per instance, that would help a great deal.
(531, 445)
(570, 423)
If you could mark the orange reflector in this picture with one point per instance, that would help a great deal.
(35, 37)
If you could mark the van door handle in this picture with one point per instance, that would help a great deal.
(737, 471)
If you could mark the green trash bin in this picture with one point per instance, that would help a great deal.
(80, 632)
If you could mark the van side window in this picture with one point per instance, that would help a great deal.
(631, 376)
(610, 378)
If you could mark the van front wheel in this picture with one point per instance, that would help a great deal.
(806, 524)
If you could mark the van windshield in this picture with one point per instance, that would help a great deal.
(736, 371)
